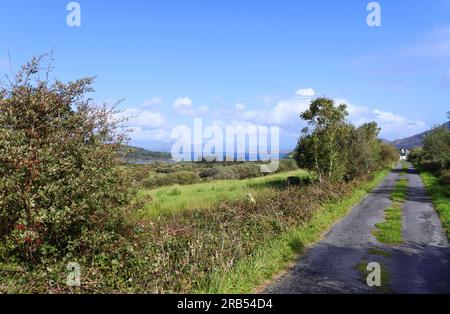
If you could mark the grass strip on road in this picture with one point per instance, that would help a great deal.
(399, 193)
(390, 230)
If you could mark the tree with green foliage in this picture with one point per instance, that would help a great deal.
(436, 146)
(364, 150)
(58, 164)
(337, 150)
(435, 153)
(322, 140)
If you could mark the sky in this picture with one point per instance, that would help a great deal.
(236, 62)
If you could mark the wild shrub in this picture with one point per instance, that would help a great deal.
(229, 172)
(445, 176)
(434, 156)
(59, 157)
(364, 150)
(436, 146)
(155, 180)
(288, 164)
(388, 155)
(416, 155)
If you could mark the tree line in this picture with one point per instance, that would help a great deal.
(335, 149)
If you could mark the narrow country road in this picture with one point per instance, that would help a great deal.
(421, 264)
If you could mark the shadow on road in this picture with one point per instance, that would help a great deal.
(330, 269)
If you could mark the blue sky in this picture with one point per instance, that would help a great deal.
(242, 62)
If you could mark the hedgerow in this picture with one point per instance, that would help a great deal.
(182, 252)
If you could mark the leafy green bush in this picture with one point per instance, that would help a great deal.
(445, 176)
(364, 150)
(416, 155)
(435, 154)
(161, 179)
(228, 172)
(431, 165)
(243, 170)
(59, 166)
(436, 147)
(288, 164)
(210, 172)
(183, 177)
(389, 155)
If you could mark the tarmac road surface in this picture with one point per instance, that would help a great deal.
(421, 264)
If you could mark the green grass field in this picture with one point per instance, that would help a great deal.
(203, 195)
(440, 194)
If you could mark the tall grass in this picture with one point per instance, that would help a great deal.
(440, 194)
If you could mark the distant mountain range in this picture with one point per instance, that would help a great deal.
(413, 141)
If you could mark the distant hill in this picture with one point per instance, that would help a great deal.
(141, 155)
(415, 140)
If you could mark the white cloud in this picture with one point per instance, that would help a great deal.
(144, 119)
(397, 126)
(393, 126)
(239, 107)
(285, 113)
(183, 106)
(388, 117)
(152, 101)
(306, 92)
(182, 103)
(288, 111)
(160, 135)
